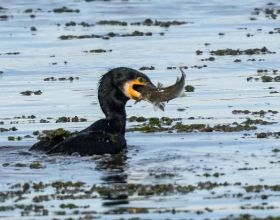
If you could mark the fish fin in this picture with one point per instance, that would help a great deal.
(159, 105)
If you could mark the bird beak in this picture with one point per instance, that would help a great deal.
(130, 89)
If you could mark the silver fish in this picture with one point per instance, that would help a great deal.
(159, 95)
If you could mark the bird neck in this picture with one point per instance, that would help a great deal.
(115, 113)
(117, 118)
(112, 104)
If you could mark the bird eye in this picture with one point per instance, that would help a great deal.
(141, 79)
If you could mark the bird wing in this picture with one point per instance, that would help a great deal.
(89, 143)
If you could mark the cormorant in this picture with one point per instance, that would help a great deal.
(105, 135)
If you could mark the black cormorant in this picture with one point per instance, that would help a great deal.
(105, 135)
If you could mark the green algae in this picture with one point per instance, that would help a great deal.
(143, 68)
(70, 78)
(266, 76)
(65, 9)
(261, 188)
(36, 165)
(83, 24)
(235, 52)
(216, 175)
(97, 51)
(116, 193)
(65, 119)
(112, 22)
(189, 88)
(6, 208)
(29, 92)
(268, 134)
(60, 213)
(41, 198)
(63, 185)
(8, 129)
(276, 150)
(107, 36)
(11, 138)
(49, 134)
(36, 133)
(68, 206)
(167, 125)
(166, 24)
(37, 187)
(260, 113)
(20, 165)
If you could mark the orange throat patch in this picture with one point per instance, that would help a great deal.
(130, 92)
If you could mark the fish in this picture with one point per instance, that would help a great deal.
(159, 95)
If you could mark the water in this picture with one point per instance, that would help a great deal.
(156, 158)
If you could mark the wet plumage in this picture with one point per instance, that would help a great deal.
(107, 135)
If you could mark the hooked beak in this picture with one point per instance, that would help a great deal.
(131, 88)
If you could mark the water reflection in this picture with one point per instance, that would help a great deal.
(114, 171)
(113, 167)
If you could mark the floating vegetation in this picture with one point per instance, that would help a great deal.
(65, 9)
(71, 78)
(50, 134)
(106, 36)
(275, 31)
(33, 28)
(166, 24)
(83, 24)
(233, 52)
(113, 194)
(259, 113)
(209, 59)
(29, 92)
(261, 188)
(10, 53)
(216, 175)
(4, 17)
(97, 51)
(13, 138)
(112, 22)
(189, 88)
(264, 77)
(199, 52)
(8, 129)
(18, 138)
(28, 10)
(270, 11)
(146, 22)
(276, 150)
(72, 189)
(143, 68)
(165, 124)
(65, 119)
(36, 165)
(268, 134)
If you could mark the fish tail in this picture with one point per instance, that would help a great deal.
(182, 71)
(159, 105)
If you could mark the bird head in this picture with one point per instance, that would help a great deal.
(131, 82)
